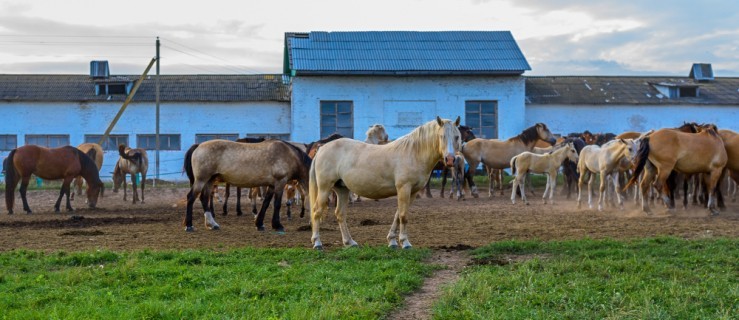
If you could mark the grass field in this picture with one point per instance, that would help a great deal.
(660, 278)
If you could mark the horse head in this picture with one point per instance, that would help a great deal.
(376, 134)
(588, 137)
(95, 190)
(545, 134)
(450, 140)
(571, 152)
(466, 133)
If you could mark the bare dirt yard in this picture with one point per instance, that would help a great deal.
(434, 223)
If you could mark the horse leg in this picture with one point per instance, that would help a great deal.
(404, 201)
(318, 204)
(206, 196)
(580, 182)
(195, 191)
(469, 175)
(491, 182)
(591, 181)
(516, 184)
(125, 188)
(238, 202)
(67, 189)
(444, 175)
(602, 188)
(711, 181)
(23, 188)
(617, 190)
(226, 195)
(551, 183)
(259, 222)
(143, 185)
(276, 225)
(77, 183)
(342, 199)
(428, 186)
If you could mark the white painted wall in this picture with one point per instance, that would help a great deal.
(564, 119)
(396, 102)
(186, 119)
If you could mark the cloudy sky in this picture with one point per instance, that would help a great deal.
(558, 37)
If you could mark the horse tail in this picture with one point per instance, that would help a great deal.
(188, 163)
(313, 188)
(92, 153)
(642, 155)
(513, 165)
(11, 179)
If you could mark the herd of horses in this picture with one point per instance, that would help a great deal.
(654, 162)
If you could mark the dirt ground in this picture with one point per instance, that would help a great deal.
(433, 223)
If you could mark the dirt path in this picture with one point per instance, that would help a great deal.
(418, 305)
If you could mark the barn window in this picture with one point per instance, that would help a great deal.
(482, 118)
(8, 142)
(48, 140)
(166, 141)
(337, 117)
(200, 138)
(112, 143)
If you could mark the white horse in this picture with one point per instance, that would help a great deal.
(547, 164)
(606, 160)
(400, 168)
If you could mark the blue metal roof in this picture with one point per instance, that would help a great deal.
(403, 52)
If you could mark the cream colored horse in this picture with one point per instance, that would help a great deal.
(607, 161)
(376, 134)
(547, 163)
(95, 152)
(130, 161)
(497, 154)
(400, 168)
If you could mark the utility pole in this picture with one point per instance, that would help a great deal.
(156, 138)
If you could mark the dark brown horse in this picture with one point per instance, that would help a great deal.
(272, 163)
(51, 164)
(131, 161)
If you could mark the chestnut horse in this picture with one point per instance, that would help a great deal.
(95, 152)
(400, 168)
(497, 154)
(668, 149)
(130, 161)
(271, 163)
(56, 163)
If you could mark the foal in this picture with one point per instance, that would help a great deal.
(548, 164)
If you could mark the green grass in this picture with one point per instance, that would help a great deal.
(245, 283)
(662, 278)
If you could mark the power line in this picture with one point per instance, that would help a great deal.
(212, 56)
(71, 36)
(192, 55)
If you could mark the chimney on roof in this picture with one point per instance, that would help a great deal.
(99, 69)
(701, 72)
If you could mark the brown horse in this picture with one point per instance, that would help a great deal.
(400, 168)
(497, 154)
(95, 152)
(131, 161)
(57, 163)
(272, 163)
(668, 149)
(731, 143)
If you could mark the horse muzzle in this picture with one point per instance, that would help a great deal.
(449, 160)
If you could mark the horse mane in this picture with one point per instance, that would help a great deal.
(89, 170)
(304, 158)
(416, 139)
(711, 128)
(250, 140)
(688, 127)
(578, 142)
(323, 141)
(529, 134)
(137, 157)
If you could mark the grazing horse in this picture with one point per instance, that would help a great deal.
(271, 163)
(547, 163)
(130, 161)
(400, 168)
(56, 163)
(605, 160)
(95, 152)
(666, 150)
(497, 154)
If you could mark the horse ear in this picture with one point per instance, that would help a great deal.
(456, 122)
(439, 121)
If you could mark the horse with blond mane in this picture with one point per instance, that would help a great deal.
(400, 168)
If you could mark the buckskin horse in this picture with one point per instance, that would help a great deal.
(400, 168)
(130, 161)
(56, 163)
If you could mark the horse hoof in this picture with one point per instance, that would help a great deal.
(10, 212)
(318, 247)
(260, 228)
(393, 246)
(190, 229)
(216, 228)
(407, 247)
